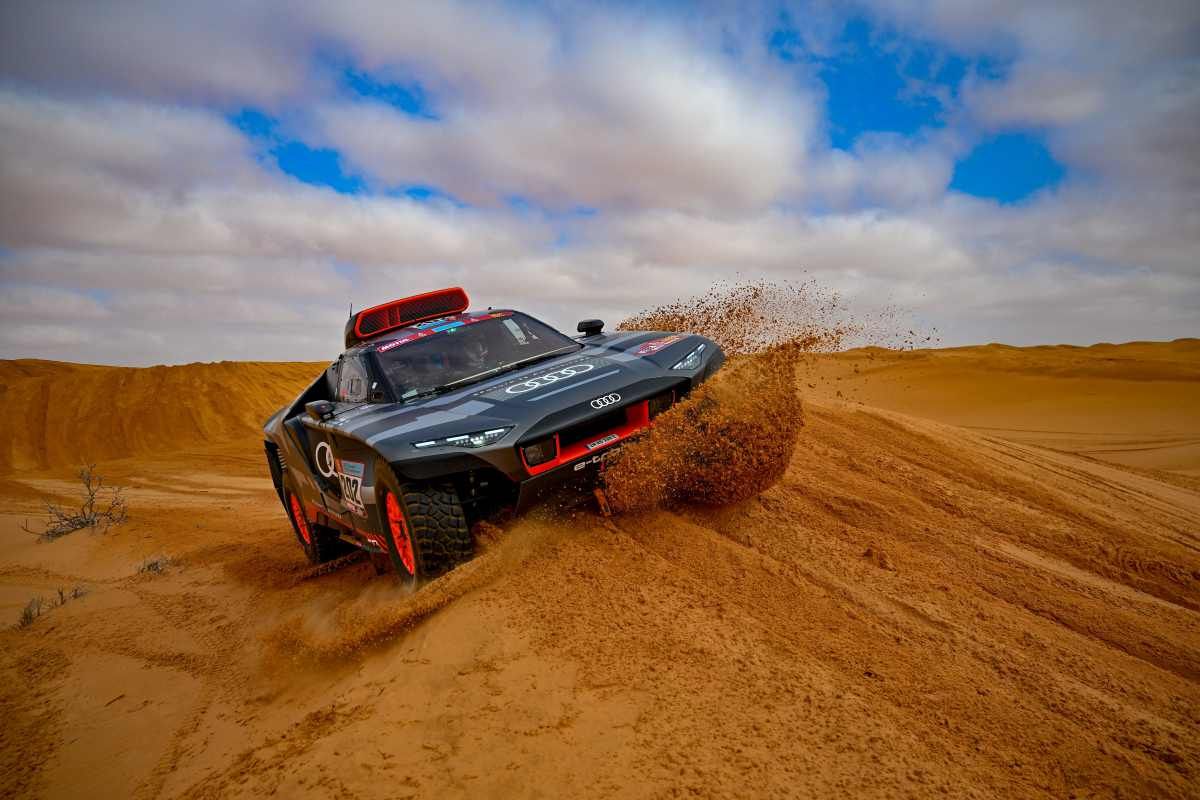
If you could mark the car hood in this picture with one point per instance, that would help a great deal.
(634, 366)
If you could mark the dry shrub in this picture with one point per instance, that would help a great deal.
(155, 565)
(93, 512)
(39, 605)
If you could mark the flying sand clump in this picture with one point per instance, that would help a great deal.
(734, 436)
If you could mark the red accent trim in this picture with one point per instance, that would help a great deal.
(637, 419)
(410, 310)
(300, 519)
(399, 530)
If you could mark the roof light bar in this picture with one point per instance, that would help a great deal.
(407, 311)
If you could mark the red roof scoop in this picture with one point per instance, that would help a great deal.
(373, 321)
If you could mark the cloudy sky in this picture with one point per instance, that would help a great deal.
(188, 181)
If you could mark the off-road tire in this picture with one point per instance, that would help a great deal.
(322, 543)
(437, 526)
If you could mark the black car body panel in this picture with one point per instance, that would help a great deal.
(582, 403)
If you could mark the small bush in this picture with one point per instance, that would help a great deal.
(31, 611)
(39, 605)
(154, 566)
(91, 514)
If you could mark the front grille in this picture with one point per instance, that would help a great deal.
(592, 428)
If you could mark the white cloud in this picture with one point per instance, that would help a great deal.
(631, 117)
(41, 303)
(223, 52)
(884, 169)
(1115, 84)
(166, 181)
(1035, 96)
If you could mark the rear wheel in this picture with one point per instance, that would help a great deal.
(320, 543)
(426, 527)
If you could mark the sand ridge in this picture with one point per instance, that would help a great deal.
(1136, 404)
(914, 608)
(72, 413)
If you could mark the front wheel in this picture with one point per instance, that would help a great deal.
(427, 530)
(320, 543)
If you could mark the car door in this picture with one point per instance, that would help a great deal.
(343, 465)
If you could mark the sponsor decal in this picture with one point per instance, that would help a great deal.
(607, 400)
(412, 337)
(349, 475)
(654, 345)
(612, 437)
(550, 378)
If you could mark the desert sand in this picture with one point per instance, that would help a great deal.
(979, 576)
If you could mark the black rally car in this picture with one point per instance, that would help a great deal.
(435, 415)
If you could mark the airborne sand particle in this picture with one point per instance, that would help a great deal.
(734, 436)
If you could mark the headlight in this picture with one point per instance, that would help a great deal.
(480, 439)
(691, 360)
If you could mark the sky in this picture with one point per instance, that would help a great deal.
(203, 181)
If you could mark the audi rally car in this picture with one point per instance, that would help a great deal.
(435, 416)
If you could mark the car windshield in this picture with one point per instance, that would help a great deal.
(469, 352)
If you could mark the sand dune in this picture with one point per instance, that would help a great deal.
(65, 414)
(938, 597)
(1136, 404)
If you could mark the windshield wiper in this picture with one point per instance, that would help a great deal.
(506, 367)
(427, 393)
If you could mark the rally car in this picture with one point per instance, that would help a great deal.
(435, 416)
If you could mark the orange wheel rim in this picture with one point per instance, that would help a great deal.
(399, 531)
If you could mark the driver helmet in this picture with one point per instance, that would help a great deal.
(474, 353)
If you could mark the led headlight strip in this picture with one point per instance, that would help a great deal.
(691, 360)
(478, 439)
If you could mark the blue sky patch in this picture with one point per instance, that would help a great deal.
(876, 81)
(1008, 168)
(410, 97)
(426, 193)
(886, 84)
(528, 206)
(312, 165)
(316, 166)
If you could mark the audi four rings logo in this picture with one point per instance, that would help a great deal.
(324, 458)
(607, 400)
(566, 373)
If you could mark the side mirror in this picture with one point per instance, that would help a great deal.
(320, 410)
(591, 327)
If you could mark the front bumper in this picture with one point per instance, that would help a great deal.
(580, 475)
